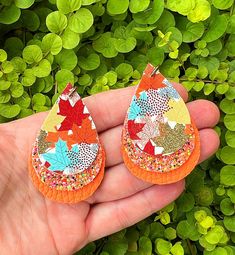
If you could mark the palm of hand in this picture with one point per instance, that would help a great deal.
(31, 224)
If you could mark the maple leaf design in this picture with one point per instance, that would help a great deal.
(84, 133)
(58, 160)
(52, 120)
(55, 136)
(73, 114)
(134, 129)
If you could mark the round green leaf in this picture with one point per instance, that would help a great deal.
(81, 21)
(14, 47)
(186, 202)
(43, 69)
(4, 85)
(30, 20)
(28, 78)
(229, 121)
(23, 4)
(70, 39)
(39, 99)
(222, 4)
(214, 235)
(25, 113)
(229, 223)
(124, 46)
(3, 55)
(162, 246)
(230, 138)
(227, 155)
(152, 14)
(63, 77)
(66, 59)
(19, 64)
(23, 101)
(216, 29)
(89, 63)
(68, 6)
(155, 56)
(227, 207)
(115, 7)
(200, 12)
(51, 43)
(211, 63)
(9, 111)
(227, 106)
(7, 67)
(16, 89)
(9, 14)
(124, 71)
(193, 32)
(214, 47)
(145, 245)
(32, 54)
(42, 13)
(5, 97)
(227, 175)
(56, 22)
(138, 5)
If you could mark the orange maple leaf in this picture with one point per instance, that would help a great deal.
(54, 137)
(84, 133)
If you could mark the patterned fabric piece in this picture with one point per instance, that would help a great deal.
(165, 121)
(66, 152)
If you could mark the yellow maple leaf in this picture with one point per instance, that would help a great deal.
(178, 112)
(52, 120)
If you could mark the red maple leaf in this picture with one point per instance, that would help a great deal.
(134, 129)
(85, 133)
(73, 114)
(149, 148)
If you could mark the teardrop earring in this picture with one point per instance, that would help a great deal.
(67, 160)
(160, 142)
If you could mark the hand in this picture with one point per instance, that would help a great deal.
(31, 224)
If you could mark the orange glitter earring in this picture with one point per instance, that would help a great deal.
(67, 160)
(160, 142)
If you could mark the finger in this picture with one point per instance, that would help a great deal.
(209, 143)
(114, 216)
(119, 182)
(202, 118)
(204, 113)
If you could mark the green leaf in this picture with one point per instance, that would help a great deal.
(145, 246)
(124, 46)
(24, 4)
(9, 111)
(68, 6)
(177, 249)
(70, 39)
(230, 138)
(227, 155)
(155, 56)
(32, 54)
(115, 7)
(227, 106)
(230, 46)
(7, 67)
(211, 63)
(216, 29)
(181, 6)
(222, 88)
(43, 69)
(231, 25)
(23, 101)
(124, 71)
(138, 5)
(222, 4)
(25, 113)
(105, 45)
(16, 89)
(81, 21)
(151, 14)
(39, 99)
(4, 85)
(116, 247)
(214, 235)
(66, 59)
(9, 14)
(186, 230)
(214, 47)
(229, 223)
(51, 43)
(170, 233)
(30, 20)
(193, 32)
(89, 63)
(227, 175)
(200, 12)
(63, 77)
(5, 97)
(208, 88)
(229, 121)
(18, 64)
(227, 207)
(28, 78)
(162, 246)
(3, 55)
(56, 22)
(186, 202)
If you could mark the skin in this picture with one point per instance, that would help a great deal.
(32, 224)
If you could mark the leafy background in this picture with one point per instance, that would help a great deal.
(105, 44)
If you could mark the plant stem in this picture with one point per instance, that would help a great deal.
(190, 247)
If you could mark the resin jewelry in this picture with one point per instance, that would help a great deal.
(67, 160)
(160, 142)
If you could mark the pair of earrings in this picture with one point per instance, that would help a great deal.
(160, 143)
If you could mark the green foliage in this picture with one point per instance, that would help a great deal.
(99, 45)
